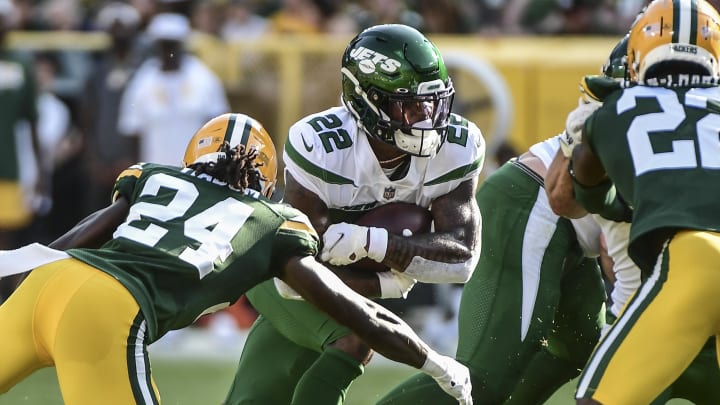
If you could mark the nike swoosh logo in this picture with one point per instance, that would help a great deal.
(308, 148)
(342, 235)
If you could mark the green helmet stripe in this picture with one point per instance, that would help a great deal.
(238, 133)
(693, 22)
(308, 166)
(685, 22)
(230, 128)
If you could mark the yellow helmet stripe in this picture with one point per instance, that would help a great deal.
(685, 20)
(240, 132)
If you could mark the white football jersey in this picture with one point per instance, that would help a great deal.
(329, 155)
(586, 229)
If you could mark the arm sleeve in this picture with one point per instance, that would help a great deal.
(126, 181)
(295, 237)
(601, 199)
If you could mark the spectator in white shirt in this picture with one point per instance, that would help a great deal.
(170, 96)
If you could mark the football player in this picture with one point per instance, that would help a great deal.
(392, 139)
(652, 143)
(698, 383)
(185, 242)
(533, 309)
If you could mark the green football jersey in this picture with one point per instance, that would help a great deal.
(661, 148)
(191, 245)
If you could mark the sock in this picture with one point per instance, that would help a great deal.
(328, 379)
(542, 377)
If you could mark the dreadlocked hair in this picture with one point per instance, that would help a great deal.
(237, 168)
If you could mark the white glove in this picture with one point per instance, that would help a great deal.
(451, 376)
(344, 243)
(395, 284)
(572, 136)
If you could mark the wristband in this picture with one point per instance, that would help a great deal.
(377, 246)
(433, 364)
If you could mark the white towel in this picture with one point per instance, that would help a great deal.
(27, 258)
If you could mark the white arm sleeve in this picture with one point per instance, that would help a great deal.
(285, 290)
(588, 235)
(627, 274)
(429, 271)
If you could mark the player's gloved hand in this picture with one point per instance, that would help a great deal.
(395, 284)
(451, 376)
(598, 87)
(345, 243)
(572, 136)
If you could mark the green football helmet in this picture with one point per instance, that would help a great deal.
(396, 85)
(616, 65)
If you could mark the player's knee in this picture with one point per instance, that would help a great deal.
(355, 347)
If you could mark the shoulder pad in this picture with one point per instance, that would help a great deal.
(597, 88)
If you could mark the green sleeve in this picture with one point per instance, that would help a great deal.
(125, 182)
(601, 199)
(295, 237)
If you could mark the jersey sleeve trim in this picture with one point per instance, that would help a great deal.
(314, 170)
(291, 225)
(129, 175)
(457, 173)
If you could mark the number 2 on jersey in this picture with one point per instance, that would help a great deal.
(682, 155)
(214, 227)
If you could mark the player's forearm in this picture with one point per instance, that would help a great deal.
(390, 336)
(364, 283)
(382, 330)
(96, 229)
(432, 258)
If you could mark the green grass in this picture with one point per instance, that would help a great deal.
(205, 383)
(202, 383)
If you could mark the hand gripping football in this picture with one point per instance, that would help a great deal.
(395, 217)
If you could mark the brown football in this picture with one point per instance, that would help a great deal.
(395, 217)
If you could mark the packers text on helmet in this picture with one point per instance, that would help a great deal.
(676, 40)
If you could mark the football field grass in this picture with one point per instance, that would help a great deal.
(202, 382)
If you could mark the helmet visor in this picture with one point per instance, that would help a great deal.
(404, 111)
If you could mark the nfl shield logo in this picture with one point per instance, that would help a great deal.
(389, 193)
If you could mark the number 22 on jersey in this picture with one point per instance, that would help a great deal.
(683, 154)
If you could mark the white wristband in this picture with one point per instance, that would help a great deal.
(378, 243)
(434, 364)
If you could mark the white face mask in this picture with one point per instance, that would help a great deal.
(423, 140)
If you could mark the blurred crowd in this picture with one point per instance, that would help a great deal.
(232, 19)
(95, 113)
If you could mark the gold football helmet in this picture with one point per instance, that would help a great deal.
(683, 32)
(236, 129)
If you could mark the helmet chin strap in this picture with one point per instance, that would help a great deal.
(423, 139)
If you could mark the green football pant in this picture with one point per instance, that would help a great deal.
(531, 313)
(284, 342)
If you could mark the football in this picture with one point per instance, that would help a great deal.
(395, 217)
